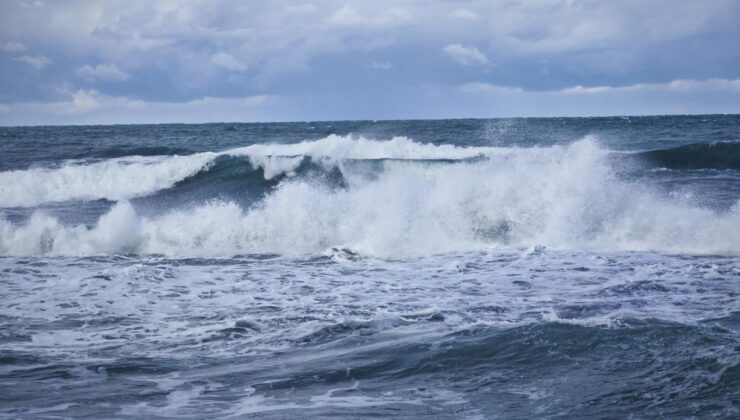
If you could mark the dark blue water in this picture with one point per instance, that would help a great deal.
(549, 268)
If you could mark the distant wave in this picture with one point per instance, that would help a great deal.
(386, 200)
(122, 151)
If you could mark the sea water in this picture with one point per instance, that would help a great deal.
(518, 268)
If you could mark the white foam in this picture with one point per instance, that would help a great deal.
(284, 159)
(126, 178)
(273, 166)
(563, 197)
(358, 147)
(113, 179)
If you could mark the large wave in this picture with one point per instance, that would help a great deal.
(124, 178)
(564, 197)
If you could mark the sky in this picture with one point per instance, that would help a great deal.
(149, 61)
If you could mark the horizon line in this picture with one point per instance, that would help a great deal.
(374, 120)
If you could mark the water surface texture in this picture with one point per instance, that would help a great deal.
(519, 268)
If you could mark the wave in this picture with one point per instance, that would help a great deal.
(716, 155)
(154, 169)
(124, 178)
(113, 179)
(563, 197)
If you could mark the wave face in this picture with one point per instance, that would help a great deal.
(389, 199)
(715, 155)
(115, 179)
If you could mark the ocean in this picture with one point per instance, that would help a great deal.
(506, 268)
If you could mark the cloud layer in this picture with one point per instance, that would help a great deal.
(381, 59)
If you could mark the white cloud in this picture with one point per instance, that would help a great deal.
(301, 44)
(350, 17)
(301, 8)
(12, 46)
(93, 107)
(680, 85)
(283, 38)
(227, 61)
(84, 100)
(36, 61)
(675, 86)
(133, 29)
(379, 65)
(106, 72)
(346, 16)
(480, 87)
(478, 100)
(29, 5)
(463, 13)
(465, 55)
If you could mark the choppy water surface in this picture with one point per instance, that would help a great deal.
(553, 268)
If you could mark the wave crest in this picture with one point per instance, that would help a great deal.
(114, 179)
(563, 197)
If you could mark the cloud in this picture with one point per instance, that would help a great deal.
(105, 72)
(465, 55)
(680, 85)
(4, 108)
(480, 87)
(675, 86)
(463, 13)
(325, 51)
(92, 107)
(36, 61)
(381, 65)
(84, 100)
(28, 5)
(12, 46)
(227, 61)
(301, 8)
(469, 100)
(348, 16)
(679, 96)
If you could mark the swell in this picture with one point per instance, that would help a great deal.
(124, 151)
(605, 367)
(714, 155)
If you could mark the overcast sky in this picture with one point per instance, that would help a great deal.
(147, 61)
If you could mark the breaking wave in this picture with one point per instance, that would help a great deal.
(390, 199)
(114, 179)
(124, 178)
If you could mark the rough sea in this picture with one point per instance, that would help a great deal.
(454, 269)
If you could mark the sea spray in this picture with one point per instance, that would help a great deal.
(562, 197)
